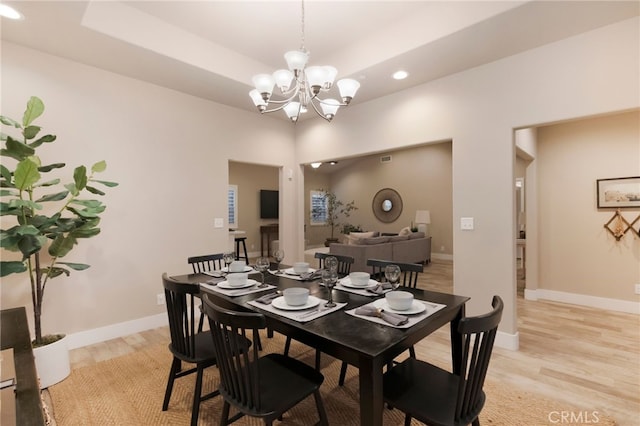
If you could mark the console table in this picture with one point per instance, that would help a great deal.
(268, 231)
(14, 333)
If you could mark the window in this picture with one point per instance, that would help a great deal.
(232, 201)
(318, 208)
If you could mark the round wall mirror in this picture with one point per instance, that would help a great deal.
(387, 205)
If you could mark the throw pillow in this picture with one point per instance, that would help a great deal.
(405, 231)
(355, 237)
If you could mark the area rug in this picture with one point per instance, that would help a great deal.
(129, 390)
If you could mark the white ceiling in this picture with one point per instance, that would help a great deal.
(211, 49)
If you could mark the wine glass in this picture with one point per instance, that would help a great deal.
(278, 255)
(262, 265)
(329, 278)
(331, 263)
(392, 274)
(227, 258)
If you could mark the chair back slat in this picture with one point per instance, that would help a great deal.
(410, 271)
(181, 307)
(344, 262)
(206, 263)
(478, 338)
(239, 369)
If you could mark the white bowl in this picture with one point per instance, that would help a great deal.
(300, 267)
(237, 266)
(359, 279)
(399, 300)
(237, 279)
(296, 296)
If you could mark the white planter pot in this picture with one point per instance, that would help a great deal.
(52, 362)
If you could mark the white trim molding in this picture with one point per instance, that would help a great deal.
(113, 331)
(584, 300)
(507, 341)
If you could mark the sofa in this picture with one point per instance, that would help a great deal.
(413, 247)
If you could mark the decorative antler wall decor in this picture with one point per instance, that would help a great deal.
(618, 225)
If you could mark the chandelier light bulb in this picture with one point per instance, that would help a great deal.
(329, 108)
(348, 88)
(296, 60)
(292, 109)
(283, 79)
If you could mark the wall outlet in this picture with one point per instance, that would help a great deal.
(160, 299)
(466, 223)
(637, 288)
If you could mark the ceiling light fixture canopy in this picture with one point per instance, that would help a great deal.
(300, 86)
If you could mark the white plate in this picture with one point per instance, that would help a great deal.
(346, 281)
(227, 286)
(416, 308)
(290, 271)
(279, 303)
(247, 268)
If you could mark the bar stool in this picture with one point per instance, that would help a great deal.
(244, 247)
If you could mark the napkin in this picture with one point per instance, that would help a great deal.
(268, 298)
(215, 274)
(308, 276)
(390, 317)
(381, 288)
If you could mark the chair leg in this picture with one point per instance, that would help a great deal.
(175, 366)
(224, 416)
(343, 373)
(287, 345)
(476, 422)
(201, 323)
(318, 355)
(412, 352)
(320, 406)
(195, 410)
(407, 420)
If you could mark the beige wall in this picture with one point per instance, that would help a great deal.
(576, 254)
(250, 179)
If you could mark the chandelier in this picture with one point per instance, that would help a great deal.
(300, 86)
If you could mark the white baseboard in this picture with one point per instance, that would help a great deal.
(113, 331)
(584, 300)
(442, 256)
(507, 341)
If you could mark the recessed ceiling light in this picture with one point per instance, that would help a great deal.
(400, 75)
(9, 12)
(316, 165)
(333, 163)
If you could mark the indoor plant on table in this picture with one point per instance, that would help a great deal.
(48, 217)
(334, 208)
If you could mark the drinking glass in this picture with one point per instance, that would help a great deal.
(331, 263)
(392, 274)
(262, 265)
(278, 256)
(227, 258)
(329, 278)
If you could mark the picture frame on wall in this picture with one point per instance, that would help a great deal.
(618, 193)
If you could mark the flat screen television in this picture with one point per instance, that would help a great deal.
(268, 204)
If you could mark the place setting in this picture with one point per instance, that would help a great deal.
(397, 309)
(297, 304)
(231, 266)
(300, 272)
(237, 284)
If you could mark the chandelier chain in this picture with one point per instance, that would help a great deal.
(302, 29)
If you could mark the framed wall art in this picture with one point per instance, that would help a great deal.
(618, 193)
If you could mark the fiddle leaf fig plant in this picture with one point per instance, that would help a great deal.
(47, 216)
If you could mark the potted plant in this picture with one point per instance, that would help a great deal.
(348, 228)
(49, 218)
(334, 208)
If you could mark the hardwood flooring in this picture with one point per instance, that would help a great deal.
(577, 356)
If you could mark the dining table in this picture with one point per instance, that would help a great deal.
(365, 344)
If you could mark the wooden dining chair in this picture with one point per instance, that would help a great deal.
(409, 271)
(186, 344)
(437, 397)
(263, 387)
(344, 262)
(408, 278)
(206, 263)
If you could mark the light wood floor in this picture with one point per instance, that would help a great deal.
(576, 356)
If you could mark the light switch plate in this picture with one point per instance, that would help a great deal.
(466, 223)
(218, 222)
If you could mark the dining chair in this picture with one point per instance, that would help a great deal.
(344, 267)
(437, 397)
(186, 344)
(409, 271)
(263, 387)
(206, 263)
(409, 278)
(344, 262)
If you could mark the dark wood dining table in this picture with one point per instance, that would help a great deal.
(364, 344)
